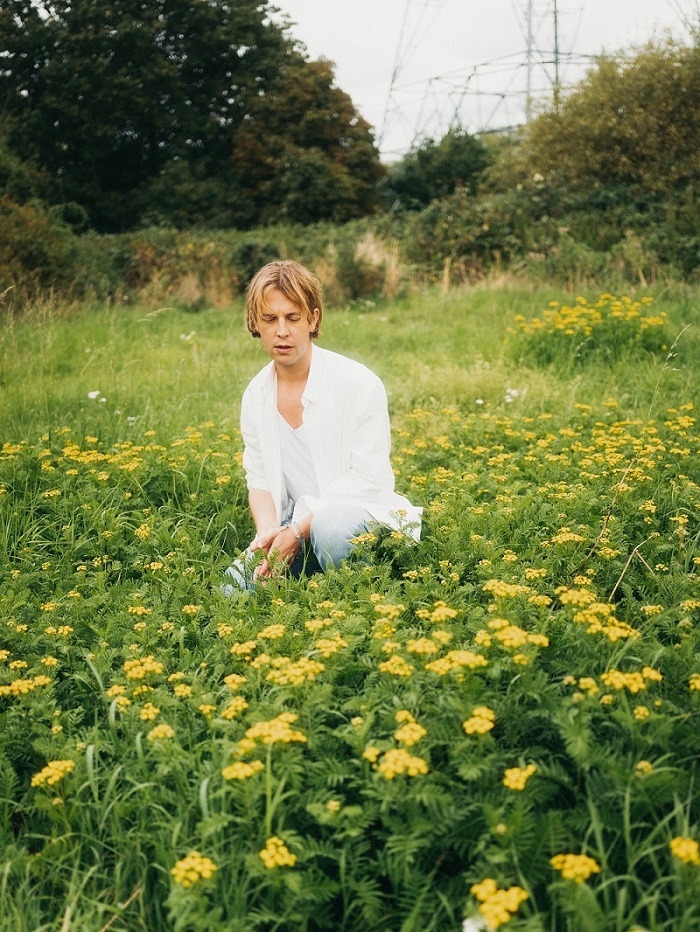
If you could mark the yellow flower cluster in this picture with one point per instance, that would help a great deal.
(497, 906)
(481, 721)
(318, 624)
(410, 731)
(287, 672)
(515, 778)
(272, 632)
(149, 712)
(192, 868)
(234, 680)
(578, 597)
(191, 609)
(276, 730)
(140, 667)
(686, 850)
(276, 854)
(577, 867)
(456, 660)
(160, 733)
(241, 770)
(503, 590)
(599, 616)
(234, 708)
(694, 682)
(21, 687)
(634, 682)
(397, 666)
(422, 646)
(398, 761)
(442, 612)
(583, 317)
(389, 611)
(244, 649)
(331, 645)
(54, 771)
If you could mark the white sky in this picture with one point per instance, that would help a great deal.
(451, 37)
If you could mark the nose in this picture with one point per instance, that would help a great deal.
(282, 327)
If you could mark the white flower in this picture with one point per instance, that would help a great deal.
(93, 395)
(475, 924)
(479, 401)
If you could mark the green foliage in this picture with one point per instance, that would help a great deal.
(434, 170)
(117, 518)
(144, 112)
(37, 250)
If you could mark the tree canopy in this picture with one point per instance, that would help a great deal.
(434, 170)
(143, 110)
(632, 122)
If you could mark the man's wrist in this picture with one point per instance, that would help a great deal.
(296, 533)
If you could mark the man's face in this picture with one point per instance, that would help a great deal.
(285, 331)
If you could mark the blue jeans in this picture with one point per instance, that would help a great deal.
(332, 530)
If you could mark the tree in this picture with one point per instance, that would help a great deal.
(303, 152)
(633, 122)
(434, 170)
(122, 102)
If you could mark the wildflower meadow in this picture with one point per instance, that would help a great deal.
(496, 726)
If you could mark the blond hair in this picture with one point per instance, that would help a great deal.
(294, 281)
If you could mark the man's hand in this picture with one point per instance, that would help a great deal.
(279, 541)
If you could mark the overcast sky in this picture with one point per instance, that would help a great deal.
(464, 57)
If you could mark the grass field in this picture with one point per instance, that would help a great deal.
(498, 724)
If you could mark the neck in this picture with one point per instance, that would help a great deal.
(297, 374)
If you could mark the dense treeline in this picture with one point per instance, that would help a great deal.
(129, 118)
(178, 112)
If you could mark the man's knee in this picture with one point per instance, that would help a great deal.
(332, 530)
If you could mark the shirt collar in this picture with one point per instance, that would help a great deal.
(314, 385)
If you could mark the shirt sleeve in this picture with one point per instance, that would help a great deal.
(253, 464)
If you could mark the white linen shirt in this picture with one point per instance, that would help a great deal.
(347, 423)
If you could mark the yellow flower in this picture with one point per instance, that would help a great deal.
(191, 609)
(577, 867)
(641, 712)
(160, 733)
(399, 761)
(410, 733)
(397, 666)
(371, 754)
(235, 706)
(643, 768)
(271, 732)
(686, 850)
(54, 771)
(241, 770)
(276, 854)
(515, 778)
(497, 906)
(481, 721)
(149, 712)
(192, 868)
(272, 632)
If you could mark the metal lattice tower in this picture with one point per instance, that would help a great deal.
(486, 96)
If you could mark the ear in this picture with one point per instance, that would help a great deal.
(314, 321)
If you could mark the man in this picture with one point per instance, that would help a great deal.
(317, 441)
